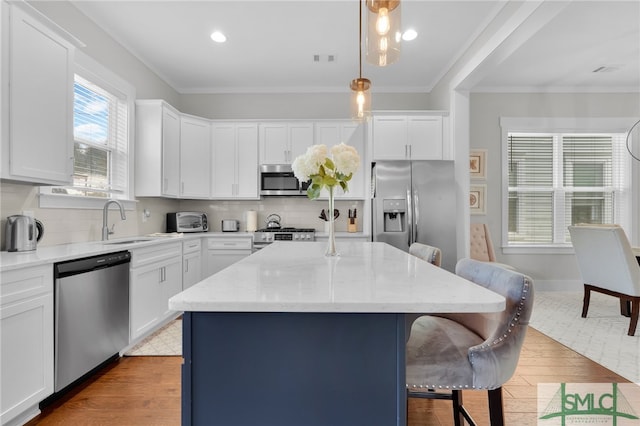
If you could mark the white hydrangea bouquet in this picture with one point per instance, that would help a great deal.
(325, 171)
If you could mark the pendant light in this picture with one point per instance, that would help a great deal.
(383, 32)
(360, 94)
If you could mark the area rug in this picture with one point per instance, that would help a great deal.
(601, 337)
(167, 341)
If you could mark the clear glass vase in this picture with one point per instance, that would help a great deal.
(331, 243)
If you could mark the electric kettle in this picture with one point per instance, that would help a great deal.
(22, 233)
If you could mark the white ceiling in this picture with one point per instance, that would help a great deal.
(271, 45)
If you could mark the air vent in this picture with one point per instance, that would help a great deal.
(327, 59)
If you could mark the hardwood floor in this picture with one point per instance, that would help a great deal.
(146, 391)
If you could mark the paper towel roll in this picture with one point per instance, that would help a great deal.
(252, 220)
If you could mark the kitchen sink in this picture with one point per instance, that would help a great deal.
(132, 241)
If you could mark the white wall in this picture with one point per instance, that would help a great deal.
(555, 270)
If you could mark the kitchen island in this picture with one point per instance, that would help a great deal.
(288, 336)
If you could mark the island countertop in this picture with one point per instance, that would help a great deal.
(365, 278)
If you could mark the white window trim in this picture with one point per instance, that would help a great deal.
(554, 125)
(96, 72)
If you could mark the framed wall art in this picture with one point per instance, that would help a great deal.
(478, 163)
(477, 199)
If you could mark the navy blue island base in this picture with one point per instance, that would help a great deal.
(297, 369)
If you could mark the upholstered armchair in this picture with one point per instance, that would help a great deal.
(607, 265)
(451, 353)
(426, 252)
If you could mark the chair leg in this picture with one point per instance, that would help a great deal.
(496, 415)
(625, 307)
(585, 300)
(456, 397)
(635, 308)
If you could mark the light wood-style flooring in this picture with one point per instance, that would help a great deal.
(146, 391)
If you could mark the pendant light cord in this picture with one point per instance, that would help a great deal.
(360, 37)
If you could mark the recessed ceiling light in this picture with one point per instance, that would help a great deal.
(218, 37)
(409, 35)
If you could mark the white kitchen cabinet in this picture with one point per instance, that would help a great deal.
(333, 133)
(26, 349)
(235, 160)
(37, 110)
(195, 161)
(191, 263)
(282, 142)
(155, 276)
(408, 137)
(225, 251)
(157, 149)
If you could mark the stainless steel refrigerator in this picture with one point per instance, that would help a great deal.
(415, 201)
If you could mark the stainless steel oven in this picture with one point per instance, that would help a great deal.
(278, 179)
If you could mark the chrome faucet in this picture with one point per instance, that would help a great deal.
(105, 226)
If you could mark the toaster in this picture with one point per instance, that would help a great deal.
(230, 225)
(187, 222)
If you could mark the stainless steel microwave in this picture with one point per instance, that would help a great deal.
(187, 222)
(278, 179)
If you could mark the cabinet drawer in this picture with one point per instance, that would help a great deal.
(22, 283)
(155, 253)
(230, 243)
(191, 246)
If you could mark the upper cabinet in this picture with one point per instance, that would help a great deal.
(157, 149)
(410, 137)
(282, 142)
(195, 161)
(37, 101)
(235, 160)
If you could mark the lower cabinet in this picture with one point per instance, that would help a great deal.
(224, 251)
(191, 263)
(26, 349)
(155, 276)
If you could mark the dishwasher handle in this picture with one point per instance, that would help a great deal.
(88, 264)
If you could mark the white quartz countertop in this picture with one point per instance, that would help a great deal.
(366, 277)
(63, 252)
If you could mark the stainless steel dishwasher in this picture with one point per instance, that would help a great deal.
(91, 314)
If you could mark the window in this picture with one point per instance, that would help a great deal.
(559, 179)
(101, 131)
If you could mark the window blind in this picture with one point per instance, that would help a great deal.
(101, 142)
(557, 180)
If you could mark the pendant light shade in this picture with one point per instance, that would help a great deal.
(360, 94)
(383, 32)
(360, 99)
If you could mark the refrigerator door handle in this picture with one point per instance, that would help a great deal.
(416, 213)
(409, 217)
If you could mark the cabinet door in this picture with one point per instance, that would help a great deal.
(170, 152)
(26, 355)
(300, 138)
(145, 298)
(354, 135)
(40, 103)
(170, 284)
(191, 269)
(273, 143)
(224, 160)
(247, 161)
(217, 260)
(195, 161)
(390, 138)
(424, 136)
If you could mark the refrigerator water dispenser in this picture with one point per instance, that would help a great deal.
(394, 212)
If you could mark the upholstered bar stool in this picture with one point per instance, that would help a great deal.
(426, 252)
(452, 353)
